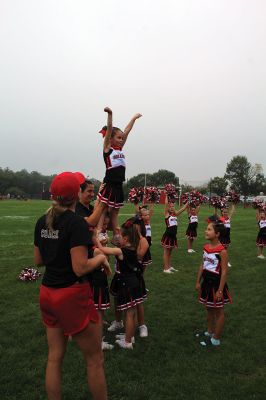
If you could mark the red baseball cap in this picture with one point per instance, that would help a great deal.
(65, 185)
(80, 177)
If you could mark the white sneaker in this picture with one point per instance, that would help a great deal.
(191, 251)
(229, 265)
(173, 269)
(261, 257)
(124, 345)
(115, 326)
(143, 331)
(168, 271)
(122, 336)
(107, 346)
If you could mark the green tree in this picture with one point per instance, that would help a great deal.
(242, 175)
(218, 185)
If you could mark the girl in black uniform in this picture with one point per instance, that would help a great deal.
(60, 243)
(112, 192)
(211, 283)
(127, 283)
(169, 241)
(261, 238)
(191, 232)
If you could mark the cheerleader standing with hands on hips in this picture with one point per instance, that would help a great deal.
(169, 240)
(112, 193)
(211, 283)
(261, 238)
(191, 232)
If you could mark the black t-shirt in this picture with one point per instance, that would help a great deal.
(83, 211)
(70, 231)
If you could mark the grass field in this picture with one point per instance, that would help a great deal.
(170, 363)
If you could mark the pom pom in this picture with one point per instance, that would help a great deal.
(259, 204)
(29, 275)
(193, 198)
(152, 194)
(171, 192)
(136, 195)
(218, 202)
(233, 197)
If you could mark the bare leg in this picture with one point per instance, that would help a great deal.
(89, 341)
(219, 323)
(166, 258)
(260, 248)
(114, 220)
(57, 343)
(130, 324)
(211, 319)
(189, 244)
(118, 314)
(140, 314)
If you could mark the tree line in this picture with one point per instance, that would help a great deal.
(240, 175)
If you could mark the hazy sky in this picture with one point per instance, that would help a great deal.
(195, 69)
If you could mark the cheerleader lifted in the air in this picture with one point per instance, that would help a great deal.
(112, 192)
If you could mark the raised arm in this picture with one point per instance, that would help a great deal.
(197, 209)
(232, 210)
(130, 126)
(258, 214)
(166, 205)
(151, 208)
(94, 218)
(107, 138)
(181, 209)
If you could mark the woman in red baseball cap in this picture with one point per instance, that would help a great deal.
(67, 308)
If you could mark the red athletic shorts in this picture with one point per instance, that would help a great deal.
(70, 308)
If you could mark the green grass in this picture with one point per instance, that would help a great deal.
(169, 364)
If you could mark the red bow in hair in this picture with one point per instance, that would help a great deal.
(128, 224)
(103, 131)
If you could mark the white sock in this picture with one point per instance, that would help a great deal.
(208, 334)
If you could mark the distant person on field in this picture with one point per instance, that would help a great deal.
(261, 238)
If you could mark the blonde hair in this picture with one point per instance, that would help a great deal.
(57, 208)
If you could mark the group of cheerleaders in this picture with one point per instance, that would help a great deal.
(132, 251)
(71, 240)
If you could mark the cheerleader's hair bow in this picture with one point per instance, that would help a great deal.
(128, 224)
(103, 131)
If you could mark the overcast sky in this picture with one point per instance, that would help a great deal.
(195, 69)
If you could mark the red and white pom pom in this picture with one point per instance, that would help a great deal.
(152, 194)
(193, 198)
(171, 192)
(233, 197)
(136, 195)
(218, 202)
(29, 275)
(259, 204)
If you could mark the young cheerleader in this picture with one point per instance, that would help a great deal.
(112, 192)
(261, 238)
(211, 283)
(191, 232)
(169, 241)
(145, 215)
(126, 285)
(226, 219)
